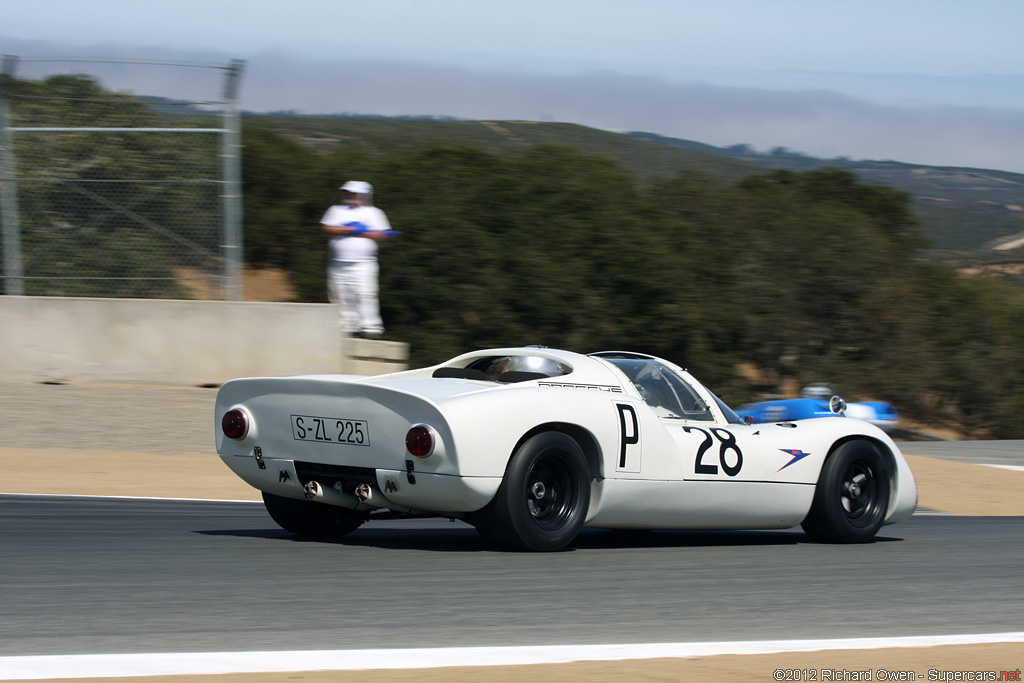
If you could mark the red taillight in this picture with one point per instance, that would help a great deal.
(235, 424)
(420, 441)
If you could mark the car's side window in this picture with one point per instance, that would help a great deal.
(691, 405)
(668, 394)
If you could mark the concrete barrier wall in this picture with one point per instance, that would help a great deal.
(150, 341)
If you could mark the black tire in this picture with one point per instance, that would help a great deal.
(309, 518)
(543, 499)
(852, 495)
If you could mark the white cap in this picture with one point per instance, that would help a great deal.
(358, 187)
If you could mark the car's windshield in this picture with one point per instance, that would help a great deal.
(731, 416)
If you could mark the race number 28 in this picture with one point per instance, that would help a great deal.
(727, 443)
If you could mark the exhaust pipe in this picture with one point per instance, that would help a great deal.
(371, 495)
(366, 498)
(368, 495)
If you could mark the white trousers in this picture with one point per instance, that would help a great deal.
(353, 286)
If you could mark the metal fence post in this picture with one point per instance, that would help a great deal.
(231, 177)
(14, 282)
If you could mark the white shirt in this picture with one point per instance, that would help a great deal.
(354, 247)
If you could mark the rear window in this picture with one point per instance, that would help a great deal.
(522, 367)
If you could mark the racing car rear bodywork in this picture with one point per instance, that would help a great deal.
(531, 444)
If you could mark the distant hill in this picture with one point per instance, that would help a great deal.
(959, 208)
(645, 160)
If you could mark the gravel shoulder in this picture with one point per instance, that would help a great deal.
(943, 487)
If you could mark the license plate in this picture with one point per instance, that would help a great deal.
(338, 430)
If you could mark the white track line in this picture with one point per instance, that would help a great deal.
(1014, 468)
(193, 663)
(90, 495)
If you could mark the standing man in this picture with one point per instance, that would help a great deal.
(353, 230)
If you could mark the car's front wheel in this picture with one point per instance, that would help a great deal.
(544, 497)
(310, 518)
(852, 495)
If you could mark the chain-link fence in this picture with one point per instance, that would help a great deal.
(120, 178)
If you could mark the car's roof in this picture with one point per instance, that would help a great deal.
(596, 368)
(562, 355)
(541, 351)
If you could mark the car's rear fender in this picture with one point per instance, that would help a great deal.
(490, 426)
(582, 436)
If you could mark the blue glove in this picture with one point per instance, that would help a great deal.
(357, 228)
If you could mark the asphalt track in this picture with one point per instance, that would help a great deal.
(1007, 453)
(84, 575)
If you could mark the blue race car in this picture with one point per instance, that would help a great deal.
(820, 400)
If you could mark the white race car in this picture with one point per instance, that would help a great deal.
(531, 444)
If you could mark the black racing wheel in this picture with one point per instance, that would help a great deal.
(543, 499)
(852, 495)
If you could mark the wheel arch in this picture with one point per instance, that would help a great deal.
(887, 454)
(582, 436)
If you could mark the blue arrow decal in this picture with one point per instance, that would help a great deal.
(797, 456)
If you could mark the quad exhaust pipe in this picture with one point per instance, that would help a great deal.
(332, 496)
(366, 497)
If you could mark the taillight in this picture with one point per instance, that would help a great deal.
(420, 441)
(235, 424)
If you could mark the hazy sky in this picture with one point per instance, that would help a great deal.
(926, 81)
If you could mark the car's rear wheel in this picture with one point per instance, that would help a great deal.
(543, 499)
(852, 495)
(309, 518)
